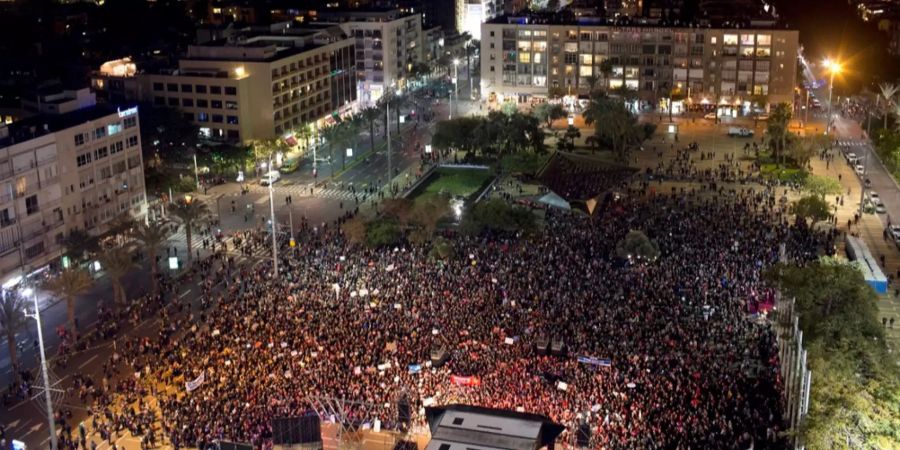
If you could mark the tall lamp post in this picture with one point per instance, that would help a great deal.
(455, 80)
(30, 292)
(274, 236)
(833, 68)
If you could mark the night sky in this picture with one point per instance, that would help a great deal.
(833, 28)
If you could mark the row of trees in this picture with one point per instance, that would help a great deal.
(615, 127)
(495, 135)
(116, 260)
(855, 397)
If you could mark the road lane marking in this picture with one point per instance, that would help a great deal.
(92, 358)
(183, 295)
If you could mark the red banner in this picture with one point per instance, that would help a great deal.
(465, 381)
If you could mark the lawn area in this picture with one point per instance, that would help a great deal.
(456, 182)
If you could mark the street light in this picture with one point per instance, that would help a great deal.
(29, 292)
(833, 67)
(274, 237)
(455, 75)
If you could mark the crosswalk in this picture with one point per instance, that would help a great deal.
(851, 143)
(303, 190)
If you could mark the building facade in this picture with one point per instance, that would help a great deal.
(471, 14)
(387, 43)
(59, 173)
(732, 68)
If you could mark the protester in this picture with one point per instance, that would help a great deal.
(688, 365)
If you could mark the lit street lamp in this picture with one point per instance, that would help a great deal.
(29, 292)
(455, 68)
(833, 68)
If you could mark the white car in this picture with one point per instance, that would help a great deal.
(874, 196)
(895, 231)
(880, 209)
(710, 116)
(860, 169)
(741, 132)
(270, 178)
(852, 158)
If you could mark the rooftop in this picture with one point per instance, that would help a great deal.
(708, 21)
(43, 124)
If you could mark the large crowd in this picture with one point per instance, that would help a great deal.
(690, 367)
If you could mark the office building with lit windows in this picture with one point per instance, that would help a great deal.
(255, 84)
(387, 43)
(531, 57)
(65, 171)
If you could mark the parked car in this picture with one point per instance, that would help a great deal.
(710, 116)
(860, 169)
(852, 158)
(270, 178)
(874, 196)
(290, 166)
(879, 208)
(895, 231)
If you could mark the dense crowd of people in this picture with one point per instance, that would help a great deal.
(689, 366)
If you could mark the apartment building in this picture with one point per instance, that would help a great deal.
(259, 83)
(525, 57)
(388, 42)
(62, 172)
(470, 14)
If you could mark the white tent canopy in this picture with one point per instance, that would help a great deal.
(551, 199)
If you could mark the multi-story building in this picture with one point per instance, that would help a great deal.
(471, 14)
(388, 43)
(257, 85)
(62, 172)
(524, 57)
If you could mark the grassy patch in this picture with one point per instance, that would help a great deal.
(785, 174)
(457, 182)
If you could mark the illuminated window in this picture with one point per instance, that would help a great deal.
(747, 39)
(524, 46)
(730, 39)
(587, 58)
(763, 39)
(524, 58)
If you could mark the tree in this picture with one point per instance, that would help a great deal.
(888, 91)
(441, 249)
(424, 217)
(821, 186)
(778, 128)
(811, 207)
(801, 150)
(191, 214)
(79, 244)
(117, 262)
(497, 216)
(606, 68)
(548, 112)
(371, 115)
(855, 390)
(12, 319)
(333, 136)
(509, 108)
(69, 284)
(613, 124)
(152, 236)
(355, 230)
(383, 232)
(637, 247)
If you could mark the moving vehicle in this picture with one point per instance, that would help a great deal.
(852, 158)
(710, 116)
(740, 132)
(269, 178)
(860, 169)
(290, 166)
(895, 234)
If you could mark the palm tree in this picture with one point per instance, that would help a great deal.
(606, 68)
(350, 130)
(117, 262)
(79, 243)
(333, 136)
(12, 319)
(152, 236)
(888, 91)
(69, 285)
(191, 214)
(371, 115)
(777, 127)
